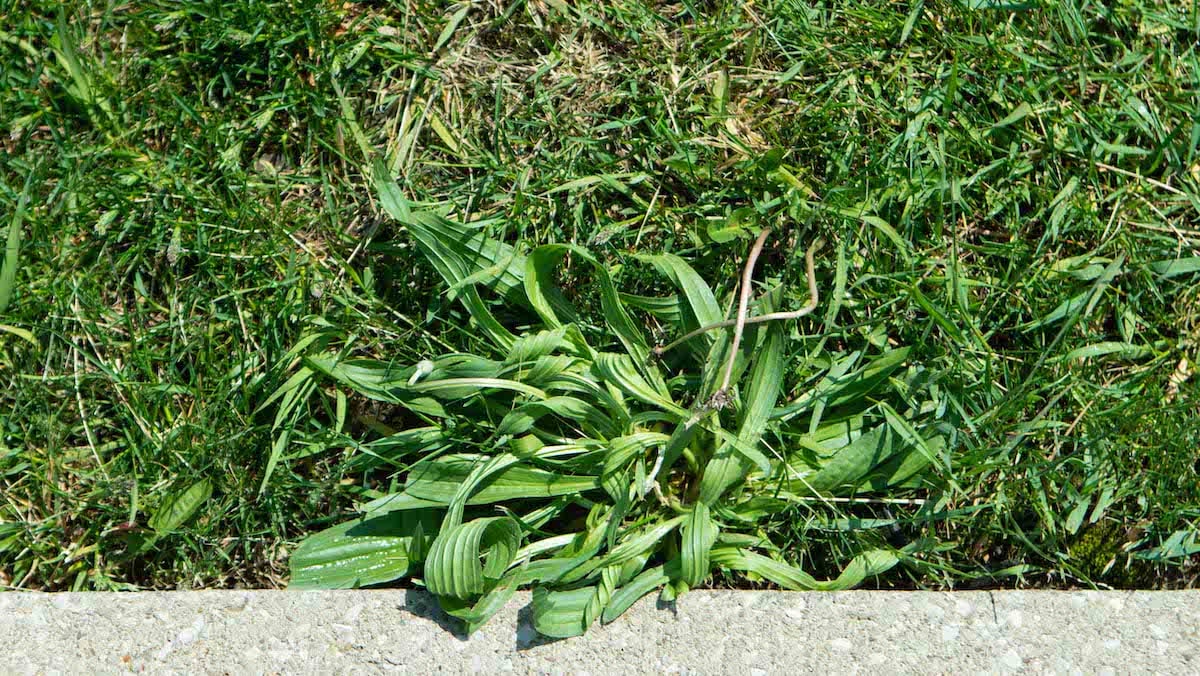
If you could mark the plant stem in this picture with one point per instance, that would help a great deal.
(813, 298)
(743, 306)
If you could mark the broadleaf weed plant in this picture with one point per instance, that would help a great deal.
(596, 467)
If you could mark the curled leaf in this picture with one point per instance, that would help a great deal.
(468, 560)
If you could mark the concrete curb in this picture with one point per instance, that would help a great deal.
(708, 632)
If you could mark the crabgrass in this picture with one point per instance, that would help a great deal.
(1011, 191)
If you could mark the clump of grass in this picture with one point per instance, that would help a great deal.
(159, 269)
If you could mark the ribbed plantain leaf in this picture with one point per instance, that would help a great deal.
(560, 614)
(700, 305)
(568, 409)
(178, 507)
(730, 465)
(628, 595)
(530, 347)
(545, 297)
(877, 458)
(438, 481)
(357, 553)
(839, 389)
(455, 250)
(861, 567)
(699, 532)
(630, 547)
(453, 567)
(620, 370)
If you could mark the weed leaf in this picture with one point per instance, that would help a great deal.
(453, 567)
(177, 508)
(356, 553)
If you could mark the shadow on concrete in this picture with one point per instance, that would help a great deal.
(670, 606)
(423, 604)
(527, 636)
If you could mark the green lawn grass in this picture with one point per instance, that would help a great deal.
(1012, 190)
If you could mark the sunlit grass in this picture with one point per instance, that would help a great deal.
(1010, 195)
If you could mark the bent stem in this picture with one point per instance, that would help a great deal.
(721, 397)
(813, 299)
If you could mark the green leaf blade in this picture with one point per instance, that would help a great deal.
(356, 553)
(453, 566)
(177, 508)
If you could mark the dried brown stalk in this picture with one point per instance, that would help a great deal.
(721, 397)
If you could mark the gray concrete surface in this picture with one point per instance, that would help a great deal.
(720, 632)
